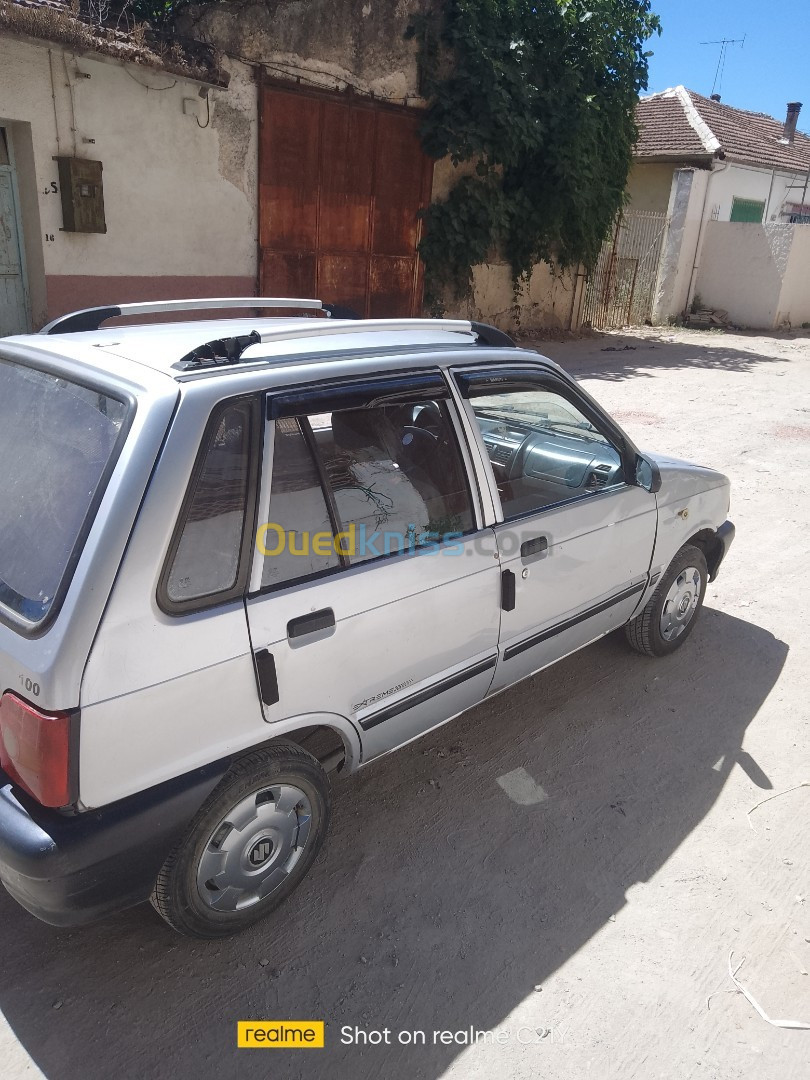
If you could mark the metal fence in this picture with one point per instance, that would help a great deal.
(621, 289)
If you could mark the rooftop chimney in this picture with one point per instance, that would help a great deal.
(792, 119)
(715, 97)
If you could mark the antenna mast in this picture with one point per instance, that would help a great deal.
(724, 44)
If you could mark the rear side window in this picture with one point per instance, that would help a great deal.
(58, 443)
(207, 548)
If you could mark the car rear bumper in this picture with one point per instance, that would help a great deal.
(725, 538)
(69, 870)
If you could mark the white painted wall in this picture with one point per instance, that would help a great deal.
(760, 274)
(794, 301)
(180, 199)
(696, 198)
(774, 188)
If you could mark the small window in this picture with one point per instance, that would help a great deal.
(207, 556)
(298, 539)
(750, 210)
(357, 484)
(543, 449)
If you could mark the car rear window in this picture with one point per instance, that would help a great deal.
(57, 440)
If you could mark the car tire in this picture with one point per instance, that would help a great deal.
(670, 614)
(249, 846)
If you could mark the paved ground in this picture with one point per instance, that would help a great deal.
(592, 927)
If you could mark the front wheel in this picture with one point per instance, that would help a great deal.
(670, 615)
(249, 846)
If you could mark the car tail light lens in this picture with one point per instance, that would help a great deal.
(35, 750)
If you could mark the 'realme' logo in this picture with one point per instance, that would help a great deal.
(282, 1034)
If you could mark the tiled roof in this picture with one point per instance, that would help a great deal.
(679, 123)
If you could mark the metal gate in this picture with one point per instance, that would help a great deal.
(621, 288)
(341, 182)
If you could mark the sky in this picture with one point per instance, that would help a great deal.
(771, 69)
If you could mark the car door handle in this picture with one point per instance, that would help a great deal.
(535, 546)
(507, 590)
(311, 623)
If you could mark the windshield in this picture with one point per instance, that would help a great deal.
(540, 410)
(56, 440)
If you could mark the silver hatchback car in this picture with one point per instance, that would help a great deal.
(236, 555)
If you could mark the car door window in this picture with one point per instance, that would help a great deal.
(542, 447)
(397, 477)
(206, 552)
(352, 485)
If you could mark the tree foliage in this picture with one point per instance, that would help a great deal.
(540, 95)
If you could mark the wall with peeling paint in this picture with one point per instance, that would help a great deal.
(179, 189)
(340, 44)
(180, 184)
(758, 273)
(327, 43)
(552, 298)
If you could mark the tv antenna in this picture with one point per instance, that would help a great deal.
(724, 44)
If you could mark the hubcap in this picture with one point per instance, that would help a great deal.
(254, 848)
(681, 603)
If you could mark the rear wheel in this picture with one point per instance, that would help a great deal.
(250, 845)
(670, 615)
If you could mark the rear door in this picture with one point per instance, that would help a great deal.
(375, 588)
(575, 535)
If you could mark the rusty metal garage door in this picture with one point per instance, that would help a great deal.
(341, 183)
(621, 289)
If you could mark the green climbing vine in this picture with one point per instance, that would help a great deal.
(538, 97)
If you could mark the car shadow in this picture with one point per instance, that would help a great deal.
(613, 357)
(460, 872)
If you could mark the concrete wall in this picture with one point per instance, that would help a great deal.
(696, 198)
(180, 200)
(552, 298)
(326, 43)
(760, 274)
(684, 209)
(649, 187)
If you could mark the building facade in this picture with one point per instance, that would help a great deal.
(705, 165)
(295, 169)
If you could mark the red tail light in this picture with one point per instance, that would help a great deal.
(35, 750)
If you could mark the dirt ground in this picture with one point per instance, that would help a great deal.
(592, 923)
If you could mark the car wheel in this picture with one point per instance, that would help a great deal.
(670, 615)
(251, 843)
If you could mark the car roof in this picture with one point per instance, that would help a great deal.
(162, 346)
(180, 349)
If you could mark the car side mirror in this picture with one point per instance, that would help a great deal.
(648, 475)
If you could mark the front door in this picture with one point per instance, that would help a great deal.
(375, 589)
(575, 536)
(13, 313)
